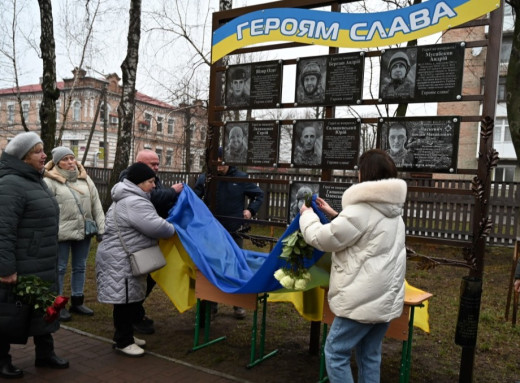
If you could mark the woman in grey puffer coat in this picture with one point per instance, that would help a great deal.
(140, 226)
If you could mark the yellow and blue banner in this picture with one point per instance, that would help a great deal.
(346, 30)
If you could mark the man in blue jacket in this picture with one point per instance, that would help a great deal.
(163, 199)
(230, 202)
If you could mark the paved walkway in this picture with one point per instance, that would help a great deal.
(93, 360)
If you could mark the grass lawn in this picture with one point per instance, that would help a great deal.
(435, 356)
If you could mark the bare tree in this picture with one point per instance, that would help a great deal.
(50, 91)
(126, 107)
(513, 83)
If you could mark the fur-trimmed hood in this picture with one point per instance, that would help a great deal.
(51, 171)
(388, 195)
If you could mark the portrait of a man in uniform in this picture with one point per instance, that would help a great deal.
(310, 83)
(237, 88)
(308, 143)
(400, 79)
(236, 144)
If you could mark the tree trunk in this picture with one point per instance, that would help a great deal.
(50, 92)
(126, 107)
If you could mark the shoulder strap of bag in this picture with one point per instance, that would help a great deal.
(76, 198)
(117, 228)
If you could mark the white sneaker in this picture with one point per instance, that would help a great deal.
(139, 342)
(132, 350)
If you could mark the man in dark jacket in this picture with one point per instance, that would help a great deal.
(28, 240)
(230, 202)
(163, 199)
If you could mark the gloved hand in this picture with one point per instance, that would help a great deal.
(99, 237)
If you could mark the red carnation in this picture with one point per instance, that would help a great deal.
(60, 302)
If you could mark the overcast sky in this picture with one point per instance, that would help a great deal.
(164, 59)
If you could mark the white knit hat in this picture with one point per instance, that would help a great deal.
(59, 152)
(20, 145)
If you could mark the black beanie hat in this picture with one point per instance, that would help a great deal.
(139, 172)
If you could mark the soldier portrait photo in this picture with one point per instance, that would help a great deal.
(299, 191)
(238, 82)
(308, 143)
(398, 74)
(311, 76)
(235, 143)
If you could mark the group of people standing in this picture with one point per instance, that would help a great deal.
(45, 205)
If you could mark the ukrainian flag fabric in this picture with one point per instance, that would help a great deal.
(202, 243)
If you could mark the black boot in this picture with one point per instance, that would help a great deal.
(64, 315)
(78, 307)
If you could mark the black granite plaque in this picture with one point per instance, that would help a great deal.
(236, 143)
(341, 143)
(254, 86)
(329, 80)
(307, 143)
(332, 192)
(427, 73)
(297, 193)
(263, 143)
(425, 144)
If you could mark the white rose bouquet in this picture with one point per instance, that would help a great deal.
(294, 275)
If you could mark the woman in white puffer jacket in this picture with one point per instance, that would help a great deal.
(366, 289)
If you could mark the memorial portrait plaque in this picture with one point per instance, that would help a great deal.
(297, 193)
(332, 192)
(238, 86)
(307, 143)
(263, 143)
(236, 143)
(256, 85)
(427, 73)
(341, 143)
(423, 144)
(329, 80)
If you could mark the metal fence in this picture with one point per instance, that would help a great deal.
(435, 209)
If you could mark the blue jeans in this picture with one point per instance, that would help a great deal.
(367, 339)
(79, 250)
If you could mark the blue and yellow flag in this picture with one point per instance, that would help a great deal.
(346, 30)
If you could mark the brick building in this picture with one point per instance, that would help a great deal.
(473, 83)
(175, 133)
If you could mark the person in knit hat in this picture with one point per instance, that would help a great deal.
(79, 201)
(28, 241)
(132, 224)
(20, 145)
(139, 172)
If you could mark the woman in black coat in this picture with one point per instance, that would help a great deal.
(28, 239)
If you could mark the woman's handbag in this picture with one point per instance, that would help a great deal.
(91, 228)
(15, 320)
(142, 261)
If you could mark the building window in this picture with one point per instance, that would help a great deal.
(101, 154)
(114, 119)
(170, 126)
(501, 133)
(25, 108)
(58, 110)
(102, 112)
(74, 144)
(38, 106)
(169, 155)
(76, 111)
(505, 52)
(159, 124)
(148, 119)
(10, 113)
(504, 174)
(502, 92)
(159, 154)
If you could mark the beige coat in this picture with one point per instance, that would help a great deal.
(72, 222)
